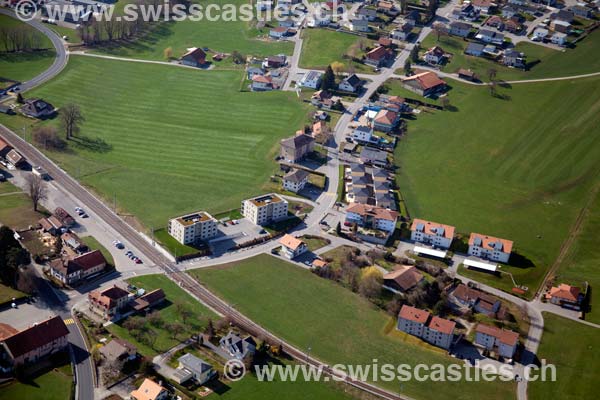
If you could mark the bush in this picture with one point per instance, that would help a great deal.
(47, 137)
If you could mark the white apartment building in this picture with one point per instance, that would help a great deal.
(362, 133)
(263, 210)
(431, 233)
(439, 332)
(489, 247)
(501, 340)
(193, 227)
(432, 329)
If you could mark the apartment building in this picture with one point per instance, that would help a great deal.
(503, 341)
(431, 233)
(193, 227)
(490, 247)
(420, 323)
(265, 209)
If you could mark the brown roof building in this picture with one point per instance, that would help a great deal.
(297, 147)
(72, 270)
(424, 83)
(194, 57)
(403, 278)
(149, 300)
(109, 302)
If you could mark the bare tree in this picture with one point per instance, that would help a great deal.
(37, 190)
(70, 119)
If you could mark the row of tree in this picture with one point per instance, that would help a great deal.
(12, 256)
(20, 38)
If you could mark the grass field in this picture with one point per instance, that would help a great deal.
(266, 288)
(16, 210)
(25, 65)
(321, 47)
(7, 294)
(93, 244)
(546, 62)
(315, 242)
(52, 385)
(169, 314)
(518, 168)
(570, 346)
(581, 262)
(168, 140)
(220, 36)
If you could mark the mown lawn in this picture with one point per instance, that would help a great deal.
(168, 312)
(582, 261)
(52, 385)
(220, 36)
(338, 325)
(7, 294)
(168, 140)
(321, 47)
(517, 168)
(23, 66)
(544, 62)
(16, 210)
(572, 347)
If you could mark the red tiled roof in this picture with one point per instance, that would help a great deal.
(442, 325)
(406, 276)
(426, 80)
(414, 314)
(90, 260)
(377, 212)
(565, 292)
(378, 53)
(290, 242)
(36, 336)
(505, 336)
(386, 117)
(197, 54)
(429, 227)
(261, 79)
(487, 241)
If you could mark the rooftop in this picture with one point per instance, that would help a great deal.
(432, 228)
(190, 219)
(490, 243)
(263, 200)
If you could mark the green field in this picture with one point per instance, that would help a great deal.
(546, 62)
(7, 294)
(321, 47)
(570, 346)
(52, 385)
(93, 244)
(517, 168)
(337, 324)
(168, 140)
(219, 36)
(16, 210)
(169, 314)
(582, 261)
(24, 65)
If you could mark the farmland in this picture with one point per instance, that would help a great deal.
(23, 66)
(522, 177)
(168, 140)
(265, 289)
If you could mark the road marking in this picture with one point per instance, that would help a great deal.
(69, 321)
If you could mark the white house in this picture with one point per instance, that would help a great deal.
(292, 247)
(351, 83)
(432, 329)
(489, 247)
(311, 79)
(539, 34)
(295, 180)
(487, 36)
(495, 339)
(372, 217)
(439, 332)
(358, 25)
(362, 133)
(432, 233)
(435, 55)
(412, 320)
(192, 367)
(403, 31)
(559, 38)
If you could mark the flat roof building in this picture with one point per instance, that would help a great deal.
(265, 209)
(193, 227)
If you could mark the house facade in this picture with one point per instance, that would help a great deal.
(372, 217)
(424, 83)
(461, 29)
(490, 247)
(194, 57)
(191, 228)
(566, 296)
(362, 133)
(295, 180)
(297, 147)
(431, 233)
(265, 209)
(311, 79)
(292, 247)
(71, 270)
(238, 348)
(386, 120)
(351, 84)
(196, 368)
(150, 390)
(432, 329)
(503, 341)
(108, 303)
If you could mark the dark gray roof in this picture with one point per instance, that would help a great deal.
(460, 25)
(234, 343)
(194, 364)
(353, 80)
(298, 141)
(355, 167)
(369, 153)
(297, 175)
(475, 47)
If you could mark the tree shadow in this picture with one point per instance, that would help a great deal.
(97, 145)
(520, 261)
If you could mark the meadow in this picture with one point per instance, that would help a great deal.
(517, 166)
(570, 346)
(544, 62)
(167, 140)
(23, 66)
(338, 325)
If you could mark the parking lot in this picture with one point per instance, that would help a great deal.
(232, 234)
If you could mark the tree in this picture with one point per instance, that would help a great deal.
(133, 323)
(237, 57)
(210, 329)
(328, 82)
(338, 228)
(338, 67)
(70, 120)
(47, 136)
(36, 187)
(175, 328)
(168, 53)
(492, 72)
(371, 280)
(407, 68)
(414, 53)
(492, 87)
(439, 29)
(12, 256)
(445, 102)
(154, 319)
(20, 99)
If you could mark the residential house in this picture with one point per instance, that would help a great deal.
(386, 121)
(262, 83)
(489, 247)
(483, 6)
(387, 7)
(495, 21)
(566, 296)
(252, 71)
(513, 58)
(359, 24)
(468, 11)
(377, 157)
(581, 11)
(71, 271)
(379, 56)
(311, 79)
(278, 32)
(509, 11)
(362, 134)
(109, 302)
(432, 329)
(487, 36)
(466, 74)
(118, 350)
(265, 209)
(368, 13)
(462, 29)
(5, 148)
(539, 34)
(564, 15)
(15, 159)
(194, 368)
(559, 38)
(402, 278)
(32, 344)
(275, 61)
(435, 55)
(238, 348)
(194, 57)
(292, 247)
(287, 23)
(432, 233)
(321, 131)
(194, 227)
(295, 180)
(148, 300)
(71, 240)
(513, 26)
(560, 26)
(351, 83)
(372, 217)
(385, 42)
(323, 99)
(64, 217)
(424, 83)
(51, 225)
(479, 301)
(403, 31)
(503, 341)
(474, 49)
(149, 390)
(297, 147)
(414, 16)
